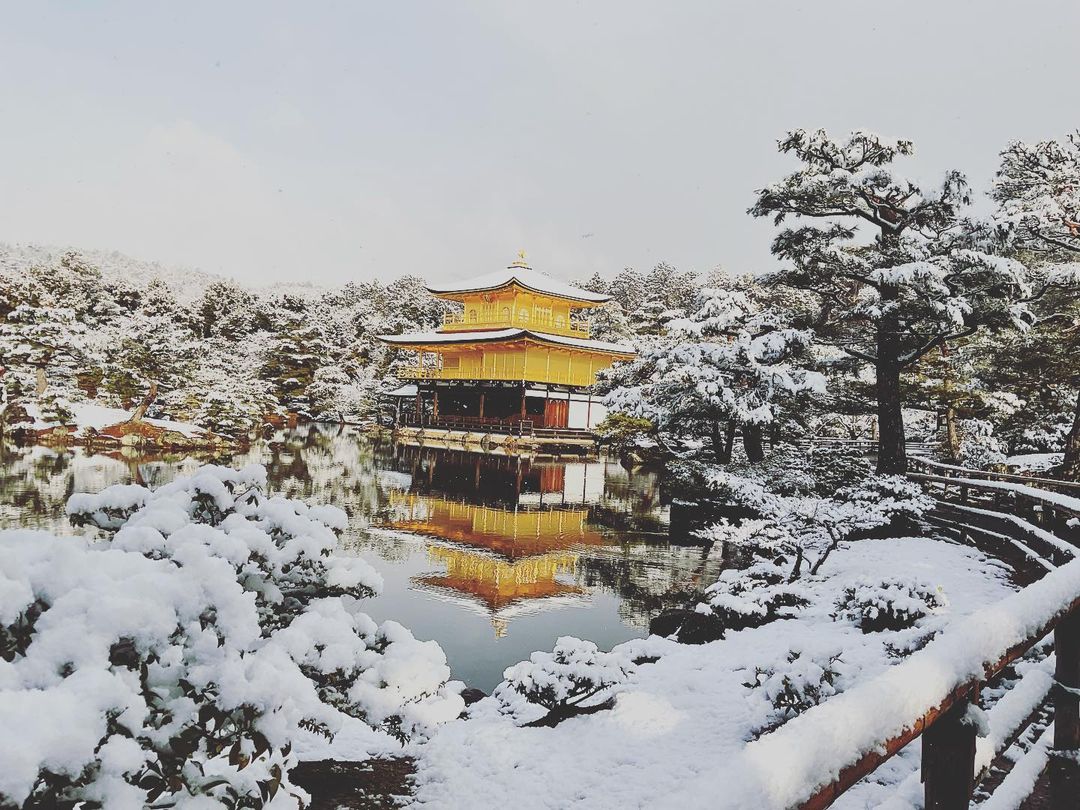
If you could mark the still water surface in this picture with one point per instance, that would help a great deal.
(491, 556)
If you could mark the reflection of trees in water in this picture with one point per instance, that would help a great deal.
(341, 466)
(649, 578)
(35, 481)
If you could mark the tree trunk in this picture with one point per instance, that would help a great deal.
(723, 442)
(892, 456)
(718, 444)
(952, 433)
(1070, 467)
(146, 402)
(751, 438)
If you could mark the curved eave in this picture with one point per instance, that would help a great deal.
(435, 340)
(458, 293)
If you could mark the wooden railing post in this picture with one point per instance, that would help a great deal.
(948, 760)
(1067, 674)
(1064, 770)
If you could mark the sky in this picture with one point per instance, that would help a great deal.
(334, 142)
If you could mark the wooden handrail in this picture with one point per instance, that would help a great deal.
(948, 757)
(1032, 494)
(990, 475)
(825, 795)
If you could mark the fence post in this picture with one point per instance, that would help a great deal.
(948, 760)
(1064, 770)
(1067, 674)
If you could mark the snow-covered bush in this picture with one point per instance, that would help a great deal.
(622, 433)
(802, 681)
(979, 447)
(574, 678)
(836, 465)
(888, 498)
(1046, 437)
(890, 604)
(182, 657)
(752, 597)
(806, 529)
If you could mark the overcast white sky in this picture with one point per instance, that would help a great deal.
(341, 141)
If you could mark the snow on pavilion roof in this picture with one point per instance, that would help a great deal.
(525, 277)
(503, 335)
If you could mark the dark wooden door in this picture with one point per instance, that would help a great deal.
(556, 413)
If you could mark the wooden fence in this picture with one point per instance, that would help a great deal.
(948, 735)
(861, 444)
(1046, 499)
(948, 757)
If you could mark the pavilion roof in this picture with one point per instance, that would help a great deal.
(504, 336)
(523, 276)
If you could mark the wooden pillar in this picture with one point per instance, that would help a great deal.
(1067, 674)
(1064, 770)
(481, 404)
(948, 760)
(435, 404)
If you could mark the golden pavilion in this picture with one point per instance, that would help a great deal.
(515, 352)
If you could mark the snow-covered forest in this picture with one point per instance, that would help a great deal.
(894, 313)
(193, 641)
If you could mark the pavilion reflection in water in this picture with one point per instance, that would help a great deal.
(506, 532)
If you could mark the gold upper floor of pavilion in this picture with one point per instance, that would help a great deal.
(518, 297)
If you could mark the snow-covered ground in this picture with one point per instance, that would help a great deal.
(677, 727)
(1035, 462)
(90, 416)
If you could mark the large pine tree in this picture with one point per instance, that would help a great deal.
(1038, 192)
(896, 268)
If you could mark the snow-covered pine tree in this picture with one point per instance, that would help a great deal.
(226, 309)
(628, 288)
(896, 268)
(44, 349)
(297, 347)
(1038, 193)
(609, 322)
(727, 367)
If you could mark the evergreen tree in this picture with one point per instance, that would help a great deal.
(919, 283)
(628, 289)
(728, 367)
(1038, 193)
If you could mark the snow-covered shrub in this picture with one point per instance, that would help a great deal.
(979, 448)
(622, 433)
(836, 466)
(1046, 437)
(806, 528)
(802, 681)
(753, 597)
(890, 604)
(574, 678)
(54, 407)
(181, 657)
(887, 499)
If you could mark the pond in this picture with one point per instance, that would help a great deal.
(491, 556)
